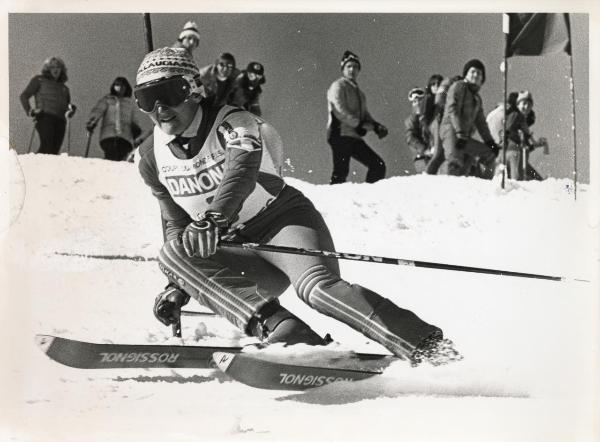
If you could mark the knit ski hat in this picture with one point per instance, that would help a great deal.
(525, 95)
(190, 29)
(474, 63)
(349, 56)
(165, 63)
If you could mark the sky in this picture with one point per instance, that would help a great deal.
(530, 347)
(301, 54)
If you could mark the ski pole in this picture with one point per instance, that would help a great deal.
(31, 138)
(68, 136)
(176, 328)
(88, 142)
(382, 260)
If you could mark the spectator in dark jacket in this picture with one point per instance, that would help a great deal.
(247, 88)
(52, 104)
(349, 120)
(121, 127)
(463, 114)
(218, 79)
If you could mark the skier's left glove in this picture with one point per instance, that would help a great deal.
(495, 149)
(200, 238)
(168, 303)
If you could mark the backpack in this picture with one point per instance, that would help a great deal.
(442, 94)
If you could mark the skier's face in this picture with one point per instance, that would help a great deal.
(174, 120)
(524, 107)
(119, 88)
(474, 76)
(351, 70)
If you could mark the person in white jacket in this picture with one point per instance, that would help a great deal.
(349, 120)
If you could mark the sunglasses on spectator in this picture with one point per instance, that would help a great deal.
(170, 92)
(416, 94)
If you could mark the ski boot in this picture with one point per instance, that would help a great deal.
(275, 324)
(436, 350)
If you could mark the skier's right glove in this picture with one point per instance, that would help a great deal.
(200, 238)
(167, 305)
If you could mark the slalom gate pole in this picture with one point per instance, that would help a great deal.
(31, 138)
(382, 260)
(68, 136)
(572, 89)
(87, 143)
(505, 29)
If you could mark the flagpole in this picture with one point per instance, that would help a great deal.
(572, 87)
(505, 29)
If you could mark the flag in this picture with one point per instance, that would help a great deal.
(537, 34)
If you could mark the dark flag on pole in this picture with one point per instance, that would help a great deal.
(538, 34)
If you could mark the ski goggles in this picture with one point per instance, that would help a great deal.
(416, 94)
(169, 92)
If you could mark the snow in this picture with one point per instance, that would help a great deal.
(530, 346)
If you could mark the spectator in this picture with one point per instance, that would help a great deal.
(218, 78)
(495, 119)
(121, 128)
(463, 113)
(247, 88)
(433, 85)
(189, 38)
(519, 139)
(349, 120)
(418, 135)
(52, 104)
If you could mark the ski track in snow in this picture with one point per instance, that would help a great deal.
(529, 345)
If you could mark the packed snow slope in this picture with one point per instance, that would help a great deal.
(530, 346)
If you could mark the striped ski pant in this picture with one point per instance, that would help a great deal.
(236, 283)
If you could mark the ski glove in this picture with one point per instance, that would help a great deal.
(167, 305)
(200, 238)
(34, 113)
(381, 130)
(461, 143)
(90, 126)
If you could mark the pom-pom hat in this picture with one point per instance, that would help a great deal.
(349, 56)
(525, 95)
(190, 29)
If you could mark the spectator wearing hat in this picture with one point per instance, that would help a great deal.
(52, 104)
(348, 121)
(218, 78)
(247, 88)
(189, 38)
(463, 114)
(519, 139)
(121, 127)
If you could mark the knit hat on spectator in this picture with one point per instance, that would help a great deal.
(349, 56)
(525, 95)
(256, 68)
(165, 63)
(190, 29)
(475, 63)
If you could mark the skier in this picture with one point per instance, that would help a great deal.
(189, 38)
(463, 113)
(119, 121)
(348, 121)
(218, 78)
(52, 104)
(247, 88)
(212, 174)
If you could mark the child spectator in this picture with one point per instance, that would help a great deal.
(189, 38)
(218, 78)
(52, 104)
(247, 88)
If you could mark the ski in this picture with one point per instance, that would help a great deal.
(79, 354)
(262, 371)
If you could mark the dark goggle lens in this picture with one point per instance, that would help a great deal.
(171, 92)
